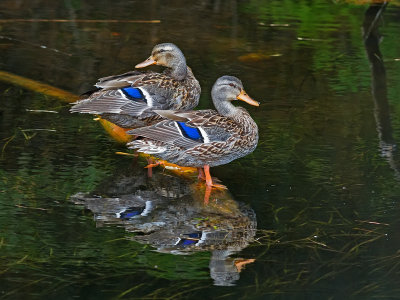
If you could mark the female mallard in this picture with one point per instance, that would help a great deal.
(129, 100)
(203, 138)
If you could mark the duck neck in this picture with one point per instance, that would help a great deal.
(179, 68)
(238, 114)
(224, 107)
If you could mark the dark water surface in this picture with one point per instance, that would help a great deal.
(316, 205)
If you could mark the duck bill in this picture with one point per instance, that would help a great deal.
(148, 62)
(246, 98)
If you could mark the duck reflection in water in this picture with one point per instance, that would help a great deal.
(168, 213)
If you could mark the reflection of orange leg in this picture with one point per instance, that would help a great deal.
(209, 179)
(207, 194)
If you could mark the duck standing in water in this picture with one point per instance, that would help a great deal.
(203, 138)
(129, 100)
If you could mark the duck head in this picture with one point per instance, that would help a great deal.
(227, 89)
(167, 55)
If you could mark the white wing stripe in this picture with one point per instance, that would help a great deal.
(147, 96)
(206, 139)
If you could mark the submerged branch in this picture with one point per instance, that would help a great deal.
(41, 111)
(34, 44)
(38, 129)
(38, 87)
(29, 207)
(80, 21)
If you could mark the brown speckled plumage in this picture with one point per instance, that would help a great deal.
(175, 88)
(216, 137)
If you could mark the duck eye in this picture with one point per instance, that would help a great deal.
(232, 85)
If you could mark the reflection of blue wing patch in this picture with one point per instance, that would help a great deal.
(131, 212)
(192, 133)
(188, 242)
(195, 235)
(193, 238)
(133, 93)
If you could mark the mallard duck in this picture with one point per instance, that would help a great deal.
(203, 138)
(129, 100)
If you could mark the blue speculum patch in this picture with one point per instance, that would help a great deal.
(133, 93)
(190, 132)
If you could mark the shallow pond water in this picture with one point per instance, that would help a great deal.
(311, 214)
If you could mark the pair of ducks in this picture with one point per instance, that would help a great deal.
(159, 108)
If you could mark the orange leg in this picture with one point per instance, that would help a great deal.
(240, 263)
(149, 168)
(201, 174)
(152, 165)
(209, 179)
(208, 175)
